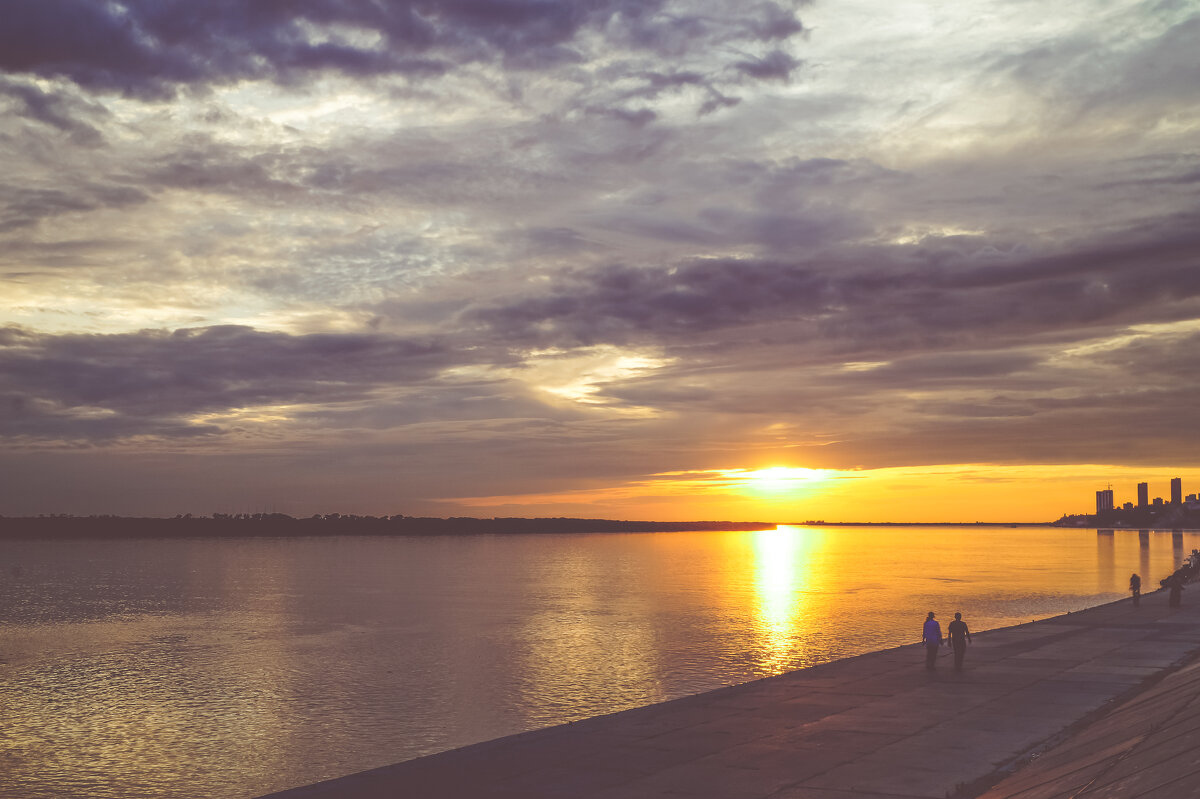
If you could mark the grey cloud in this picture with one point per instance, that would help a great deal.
(1008, 404)
(875, 299)
(150, 382)
(776, 65)
(1165, 68)
(716, 104)
(637, 118)
(56, 110)
(148, 48)
(1076, 430)
(656, 83)
(782, 183)
(27, 253)
(659, 83)
(25, 207)
(616, 303)
(206, 166)
(555, 240)
(958, 367)
(1071, 434)
(1162, 170)
(1112, 76)
(804, 228)
(773, 21)
(1160, 359)
(1123, 271)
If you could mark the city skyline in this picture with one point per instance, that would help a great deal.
(1106, 498)
(665, 259)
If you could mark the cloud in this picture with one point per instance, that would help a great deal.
(150, 48)
(158, 383)
(1112, 72)
(24, 207)
(878, 298)
(57, 110)
(775, 65)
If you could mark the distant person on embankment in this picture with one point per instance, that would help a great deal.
(959, 635)
(931, 636)
(1135, 588)
(1175, 584)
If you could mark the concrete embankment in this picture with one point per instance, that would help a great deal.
(1147, 746)
(1070, 695)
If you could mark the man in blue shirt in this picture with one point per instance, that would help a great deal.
(932, 638)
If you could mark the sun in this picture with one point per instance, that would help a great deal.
(777, 479)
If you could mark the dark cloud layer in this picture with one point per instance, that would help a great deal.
(928, 291)
(151, 48)
(151, 383)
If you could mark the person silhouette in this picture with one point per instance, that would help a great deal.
(958, 635)
(931, 636)
(1135, 587)
(1175, 584)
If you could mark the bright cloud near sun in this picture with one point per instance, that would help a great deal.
(581, 376)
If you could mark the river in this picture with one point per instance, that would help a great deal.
(231, 668)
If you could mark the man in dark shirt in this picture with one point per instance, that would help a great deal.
(931, 635)
(959, 635)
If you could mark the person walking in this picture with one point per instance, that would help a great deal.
(931, 636)
(1175, 592)
(958, 635)
(1135, 588)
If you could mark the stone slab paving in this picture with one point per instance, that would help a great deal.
(1147, 746)
(877, 726)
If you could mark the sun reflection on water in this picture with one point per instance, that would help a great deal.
(783, 562)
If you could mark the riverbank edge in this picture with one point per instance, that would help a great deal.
(964, 790)
(1029, 756)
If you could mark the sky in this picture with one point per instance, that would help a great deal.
(638, 259)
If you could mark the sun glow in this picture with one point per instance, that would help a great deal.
(970, 492)
(776, 479)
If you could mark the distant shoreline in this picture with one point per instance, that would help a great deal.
(278, 525)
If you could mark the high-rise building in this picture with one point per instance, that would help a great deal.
(1143, 494)
(1176, 490)
(1104, 500)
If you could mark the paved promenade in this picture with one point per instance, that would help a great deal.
(1149, 746)
(1072, 694)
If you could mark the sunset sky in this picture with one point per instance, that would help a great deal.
(643, 259)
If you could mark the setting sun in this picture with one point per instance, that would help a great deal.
(776, 479)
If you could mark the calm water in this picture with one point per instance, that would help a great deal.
(207, 667)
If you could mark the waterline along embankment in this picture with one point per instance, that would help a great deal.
(869, 726)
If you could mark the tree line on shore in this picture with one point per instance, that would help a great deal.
(247, 525)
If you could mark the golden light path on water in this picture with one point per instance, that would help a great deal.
(783, 562)
(161, 668)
